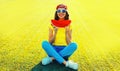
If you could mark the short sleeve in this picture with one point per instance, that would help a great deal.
(50, 26)
(70, 27)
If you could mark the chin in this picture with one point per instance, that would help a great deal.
(61, 17)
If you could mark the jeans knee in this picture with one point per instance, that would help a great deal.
(74, 45)
(44, 44)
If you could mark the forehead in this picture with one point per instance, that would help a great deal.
(61, 9)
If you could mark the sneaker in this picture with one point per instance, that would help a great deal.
(46, 60)
(72, 65)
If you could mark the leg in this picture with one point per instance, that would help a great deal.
(58, 49)
(69, 50)
(51, 51)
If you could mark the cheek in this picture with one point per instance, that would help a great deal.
(64, 14)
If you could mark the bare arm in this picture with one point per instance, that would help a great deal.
(52, 35)
(68, 35)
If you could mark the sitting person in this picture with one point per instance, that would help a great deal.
(59, 47)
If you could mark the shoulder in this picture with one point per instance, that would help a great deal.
(70, 26)
(51, 26)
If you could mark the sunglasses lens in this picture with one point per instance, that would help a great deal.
(62, 11)
(58, 11)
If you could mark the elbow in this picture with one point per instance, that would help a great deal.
(68, 40)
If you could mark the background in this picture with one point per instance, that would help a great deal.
(96, 30)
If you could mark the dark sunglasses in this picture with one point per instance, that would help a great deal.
(61, 10)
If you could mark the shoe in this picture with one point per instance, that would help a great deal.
(46, 60)
(72, 65)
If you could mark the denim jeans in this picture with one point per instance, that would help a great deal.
(59, 52)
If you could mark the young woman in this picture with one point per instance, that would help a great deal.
(59, 47)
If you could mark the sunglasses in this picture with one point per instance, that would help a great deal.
(61, 11)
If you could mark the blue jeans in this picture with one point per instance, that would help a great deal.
(58, 52)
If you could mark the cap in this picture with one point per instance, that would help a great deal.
(61, 6)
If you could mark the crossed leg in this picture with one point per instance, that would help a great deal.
(67, 51)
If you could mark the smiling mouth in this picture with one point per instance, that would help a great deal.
(61, 15)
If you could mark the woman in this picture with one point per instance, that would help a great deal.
(60, 47)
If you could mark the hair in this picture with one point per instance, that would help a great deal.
(57, 18)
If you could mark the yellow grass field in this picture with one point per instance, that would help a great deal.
(96, 30)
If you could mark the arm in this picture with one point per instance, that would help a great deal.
(52, 34)
(68, 35)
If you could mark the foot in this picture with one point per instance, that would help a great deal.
(72, 65)
(46, 60)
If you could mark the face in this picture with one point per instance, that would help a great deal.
(61, 12)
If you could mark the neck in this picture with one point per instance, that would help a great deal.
(61, 19)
